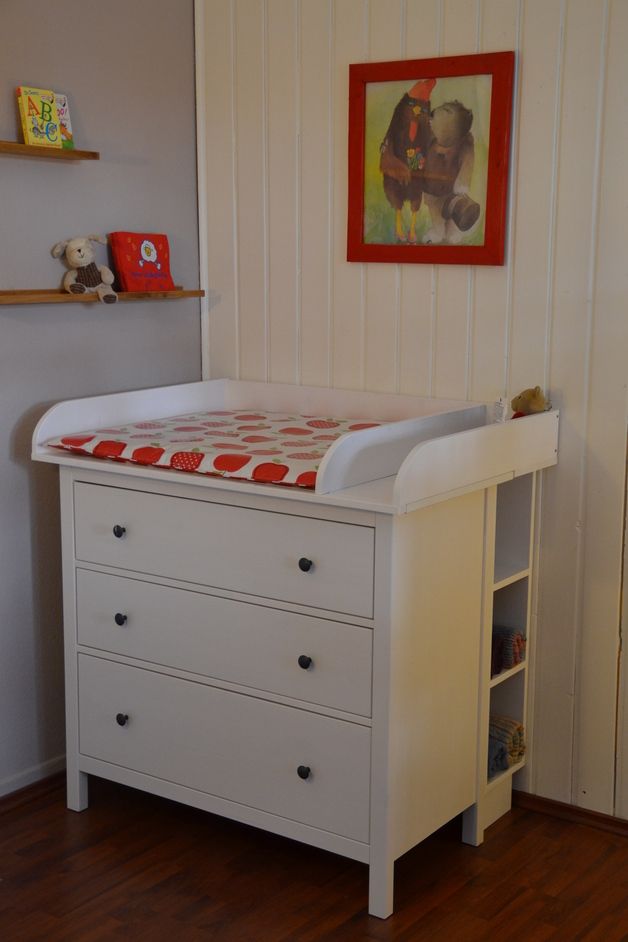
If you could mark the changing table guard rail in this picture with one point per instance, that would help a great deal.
(429, 450)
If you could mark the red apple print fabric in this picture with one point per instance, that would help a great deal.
(270, 447)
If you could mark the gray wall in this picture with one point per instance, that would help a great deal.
(128, 67)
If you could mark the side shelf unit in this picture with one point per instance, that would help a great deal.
(507, 587)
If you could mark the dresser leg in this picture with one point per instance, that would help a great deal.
(77, 790)
(381, 888)
(472, 833)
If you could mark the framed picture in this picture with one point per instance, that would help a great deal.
(429, 144)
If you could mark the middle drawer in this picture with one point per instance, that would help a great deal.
(245, 644)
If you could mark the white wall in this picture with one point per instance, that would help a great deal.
(129, 71)
(287, 306)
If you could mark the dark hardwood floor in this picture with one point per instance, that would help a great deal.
(141, 868)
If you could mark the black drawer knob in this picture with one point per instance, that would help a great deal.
(120, 619)
(304, 771)
(305, 564)
(119, 531)
(305, 661)
(122, 719)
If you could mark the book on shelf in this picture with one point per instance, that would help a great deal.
(141, 261)
(65, 124)
(39, 116)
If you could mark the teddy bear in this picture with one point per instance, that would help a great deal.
(447, 174)
(529, 402)
(85, 275)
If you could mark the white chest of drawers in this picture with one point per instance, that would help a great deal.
(309, 664)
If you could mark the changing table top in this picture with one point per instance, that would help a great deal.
(406, 452)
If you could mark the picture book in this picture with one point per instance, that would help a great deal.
(141, 261)
(65, 124)
(39, 117)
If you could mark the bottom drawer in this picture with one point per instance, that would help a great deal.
(227, 744)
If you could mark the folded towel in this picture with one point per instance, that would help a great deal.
(510, 733)
(508, 648)
(498, 758)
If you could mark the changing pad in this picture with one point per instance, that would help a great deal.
(269, 447)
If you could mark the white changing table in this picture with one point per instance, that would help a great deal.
(316, 663)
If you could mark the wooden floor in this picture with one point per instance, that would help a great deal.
(141, 868)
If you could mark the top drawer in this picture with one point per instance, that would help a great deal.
(252, 551)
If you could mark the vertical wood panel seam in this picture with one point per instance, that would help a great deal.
(550, 286)
(398, 298)
(551, 273)
(586, 391)
(364, 269)
(403, 47)
(621, 663)
(234, 176)
(470, 331)
(513, 194)
(200, 77)
(403, 20)
(330, 193)
(433, 327)
(434, 281)
(553, 220)
(266, 192)
(534, 625)
(298, 104)
(471, 270)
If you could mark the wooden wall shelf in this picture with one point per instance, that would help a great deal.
(58, 153)
(52, 296)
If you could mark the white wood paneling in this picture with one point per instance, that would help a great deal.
(283, 118)
(459, 25)
(604, 470)
(350, 44)
(568, 365)
(250, 142)
(315, 192)
(382, 295)
(291, 308)
(621, 789)
(532, 223)
(218, 187)
(417, 301)
(499, 29)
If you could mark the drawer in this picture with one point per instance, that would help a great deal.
(235, 548)
(227, 744)
(233, 641)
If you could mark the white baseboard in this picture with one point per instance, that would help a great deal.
(33, 774)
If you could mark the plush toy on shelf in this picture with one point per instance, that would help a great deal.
(529, 402)
(85, 276)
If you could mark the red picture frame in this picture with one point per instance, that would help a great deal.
(449, 205)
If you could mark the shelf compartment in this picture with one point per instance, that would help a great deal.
(52, 296)
(510, 604)
(507, 674)
(510, 610)
(512, 528)
(508, 697)
(57, 153)
(506, 774)
(511, 580)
